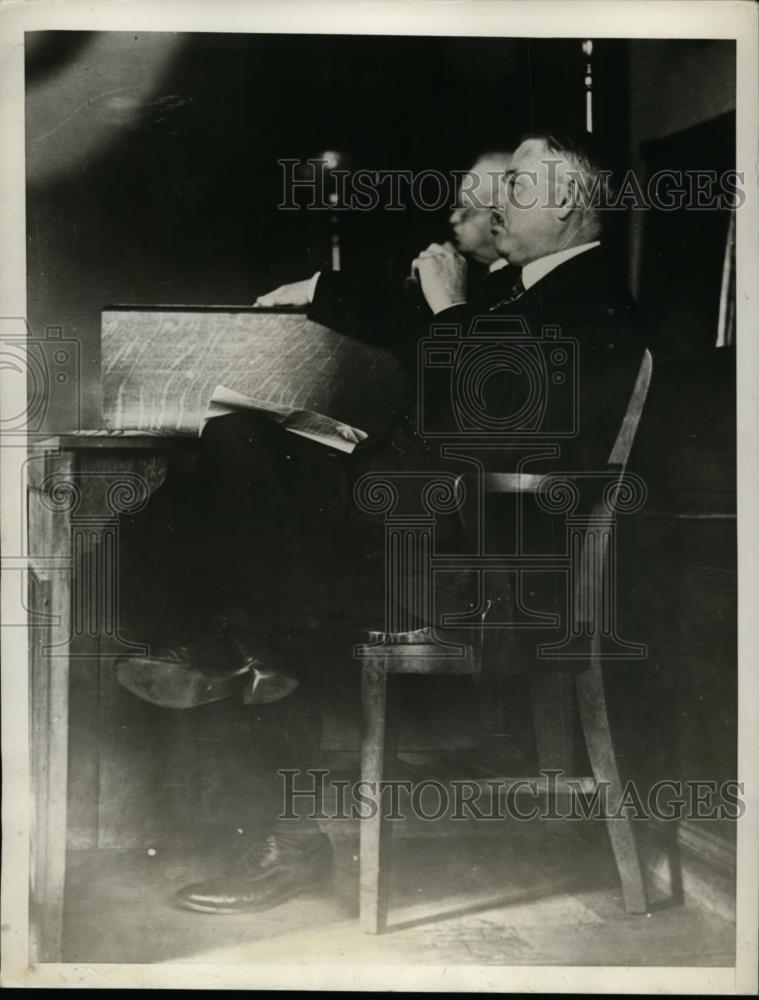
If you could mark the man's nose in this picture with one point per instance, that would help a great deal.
(455, 217)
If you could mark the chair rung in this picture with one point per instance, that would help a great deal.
(512, 482)
(426, 658)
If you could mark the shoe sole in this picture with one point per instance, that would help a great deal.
(313, 888)
(268, 687)
(175, 685)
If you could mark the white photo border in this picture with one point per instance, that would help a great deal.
(511, 18)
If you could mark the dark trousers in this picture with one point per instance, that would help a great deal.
(265, 534)
(274, 547)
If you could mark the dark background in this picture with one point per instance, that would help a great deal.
(152, 158)
(152, 178)
(181, 201)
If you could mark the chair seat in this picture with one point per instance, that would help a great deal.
(419, 652)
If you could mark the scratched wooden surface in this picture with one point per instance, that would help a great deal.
(160, 367)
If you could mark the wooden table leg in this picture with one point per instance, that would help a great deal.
(375, 832)
(50, 576)
(75, 497)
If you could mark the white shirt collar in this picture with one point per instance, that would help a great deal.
(537, 269)
(497, 264)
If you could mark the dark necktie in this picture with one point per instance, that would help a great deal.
(515, 290)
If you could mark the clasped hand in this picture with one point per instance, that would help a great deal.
(441, 271)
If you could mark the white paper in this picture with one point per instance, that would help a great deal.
(306, 423)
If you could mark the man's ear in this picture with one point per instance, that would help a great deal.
(566, 196)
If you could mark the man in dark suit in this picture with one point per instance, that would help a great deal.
(271, 500)
(548, 226)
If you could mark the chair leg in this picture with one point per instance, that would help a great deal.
(375, 832)
(595, 726)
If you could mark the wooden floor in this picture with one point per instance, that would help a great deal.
(459, 896)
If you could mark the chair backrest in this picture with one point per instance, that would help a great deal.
(529, 482)
(620, 453)
(588, 581)
(592, 603)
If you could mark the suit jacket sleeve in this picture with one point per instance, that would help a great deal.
(366, 308)
(461, 315)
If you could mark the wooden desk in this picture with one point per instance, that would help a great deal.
(159, 367)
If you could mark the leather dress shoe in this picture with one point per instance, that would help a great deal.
(270, 871)
(215, 667)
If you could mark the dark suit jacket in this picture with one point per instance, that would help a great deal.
(581, 299)
(371, 309)
(599, 359)
(594, 316)
(592, 311)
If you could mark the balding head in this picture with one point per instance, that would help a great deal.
(546, 202)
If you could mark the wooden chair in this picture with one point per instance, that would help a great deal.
(421, 652)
